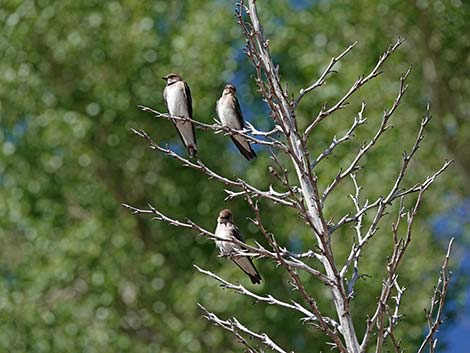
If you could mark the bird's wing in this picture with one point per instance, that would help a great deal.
(238, 111)
(245, 263)
(236, 233)
(217, 107)
(164, 97)
(187, 93)
(243, 146)
(247, 266)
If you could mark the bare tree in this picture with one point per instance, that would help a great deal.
(303, 194)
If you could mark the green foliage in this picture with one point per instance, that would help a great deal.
(79, 273)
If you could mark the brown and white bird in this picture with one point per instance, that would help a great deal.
(178, 101)
(230, 115)
(227, 230)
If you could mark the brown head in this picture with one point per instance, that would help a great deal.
(225, 216)
(172, 78)
(229, 89)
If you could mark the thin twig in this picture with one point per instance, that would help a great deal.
(365, 148)
(358, 121)
(199, 165)
(269, 299)
(322, 79)
(355, 87)
(234, 326)
(218, 128)
(439, 298)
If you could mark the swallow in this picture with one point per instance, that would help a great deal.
(230, 115)
(227, 230)
(178, 101)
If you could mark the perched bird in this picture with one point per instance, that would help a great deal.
(228, 110)
(178, 100)
(227, 230)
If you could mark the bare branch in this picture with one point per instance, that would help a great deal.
(308, 315)
(322, 79)
(401, 245)
(199, 165)
(352, 256)
(438, 298)
(394, 194)
(290, 258)
(268, 82)
(159, 216)
(292, 261)
(219, 128)
(365, 148)
(234, 326)
(360, 120)
(394, 315)
(323, 321)
(355, 87)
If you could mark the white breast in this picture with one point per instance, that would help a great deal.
(176, 100)
(227, 113)
(225, 231)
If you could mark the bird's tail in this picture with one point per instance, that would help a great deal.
(244, 147)
(255, 279)
(192, 150)
(247, 266)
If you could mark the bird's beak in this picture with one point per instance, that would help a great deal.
(164, 78)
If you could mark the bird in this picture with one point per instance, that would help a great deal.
(230, 115)
(226, 229)
(178, 101)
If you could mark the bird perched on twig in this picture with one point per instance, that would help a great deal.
(227, 230)
(178, 101)
(230, 115)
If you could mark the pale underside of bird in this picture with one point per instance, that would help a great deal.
(178, 100)
(227, 230)
(230, 115)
